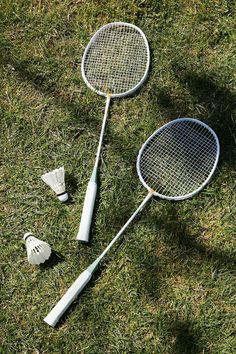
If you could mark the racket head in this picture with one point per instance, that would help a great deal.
(178, 159)
(116, 60)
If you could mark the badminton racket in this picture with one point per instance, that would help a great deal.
(175, 163)
(115, 63)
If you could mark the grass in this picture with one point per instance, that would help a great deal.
(170, 285)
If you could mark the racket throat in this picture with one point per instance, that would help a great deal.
(94, 265)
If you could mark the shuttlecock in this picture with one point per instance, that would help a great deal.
(56, 180)
(37, 251)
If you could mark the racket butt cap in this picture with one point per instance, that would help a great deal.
(82, 238)
(50, 321)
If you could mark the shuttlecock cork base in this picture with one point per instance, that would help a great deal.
(37, 251)
(56, 181)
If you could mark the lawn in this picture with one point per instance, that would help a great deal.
(169, 286)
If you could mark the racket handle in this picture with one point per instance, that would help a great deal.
(54, 315)
(87, 213)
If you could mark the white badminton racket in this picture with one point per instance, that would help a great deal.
(175, 163)
(115, 63)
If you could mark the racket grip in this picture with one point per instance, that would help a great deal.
(54, 315)
(87, 213)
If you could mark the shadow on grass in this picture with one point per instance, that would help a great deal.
(54, 259)
(186, 339)
(185, 248)
(46, 84)
(79, 299)
(177, 234)
(71, 186)
(80, 115)
(217, 105)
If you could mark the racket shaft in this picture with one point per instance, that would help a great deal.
(102, 132)
(140, 208)
(87, 213)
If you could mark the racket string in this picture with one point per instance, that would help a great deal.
(183, 180)
(116, 60)
(177, 179)
(179, 158)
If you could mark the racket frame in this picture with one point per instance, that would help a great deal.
(189, 195)
(93, 39)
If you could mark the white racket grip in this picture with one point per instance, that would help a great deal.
(87, 213)
(54, 315)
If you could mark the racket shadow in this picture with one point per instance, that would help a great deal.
(191, 246)
(176, 246)
(80, 111)
(186, 339)
(216, 106)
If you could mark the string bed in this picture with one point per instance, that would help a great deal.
(179, 158)
(116, 60)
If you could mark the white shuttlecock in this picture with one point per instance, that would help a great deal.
(56, 180)
(37, 251)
